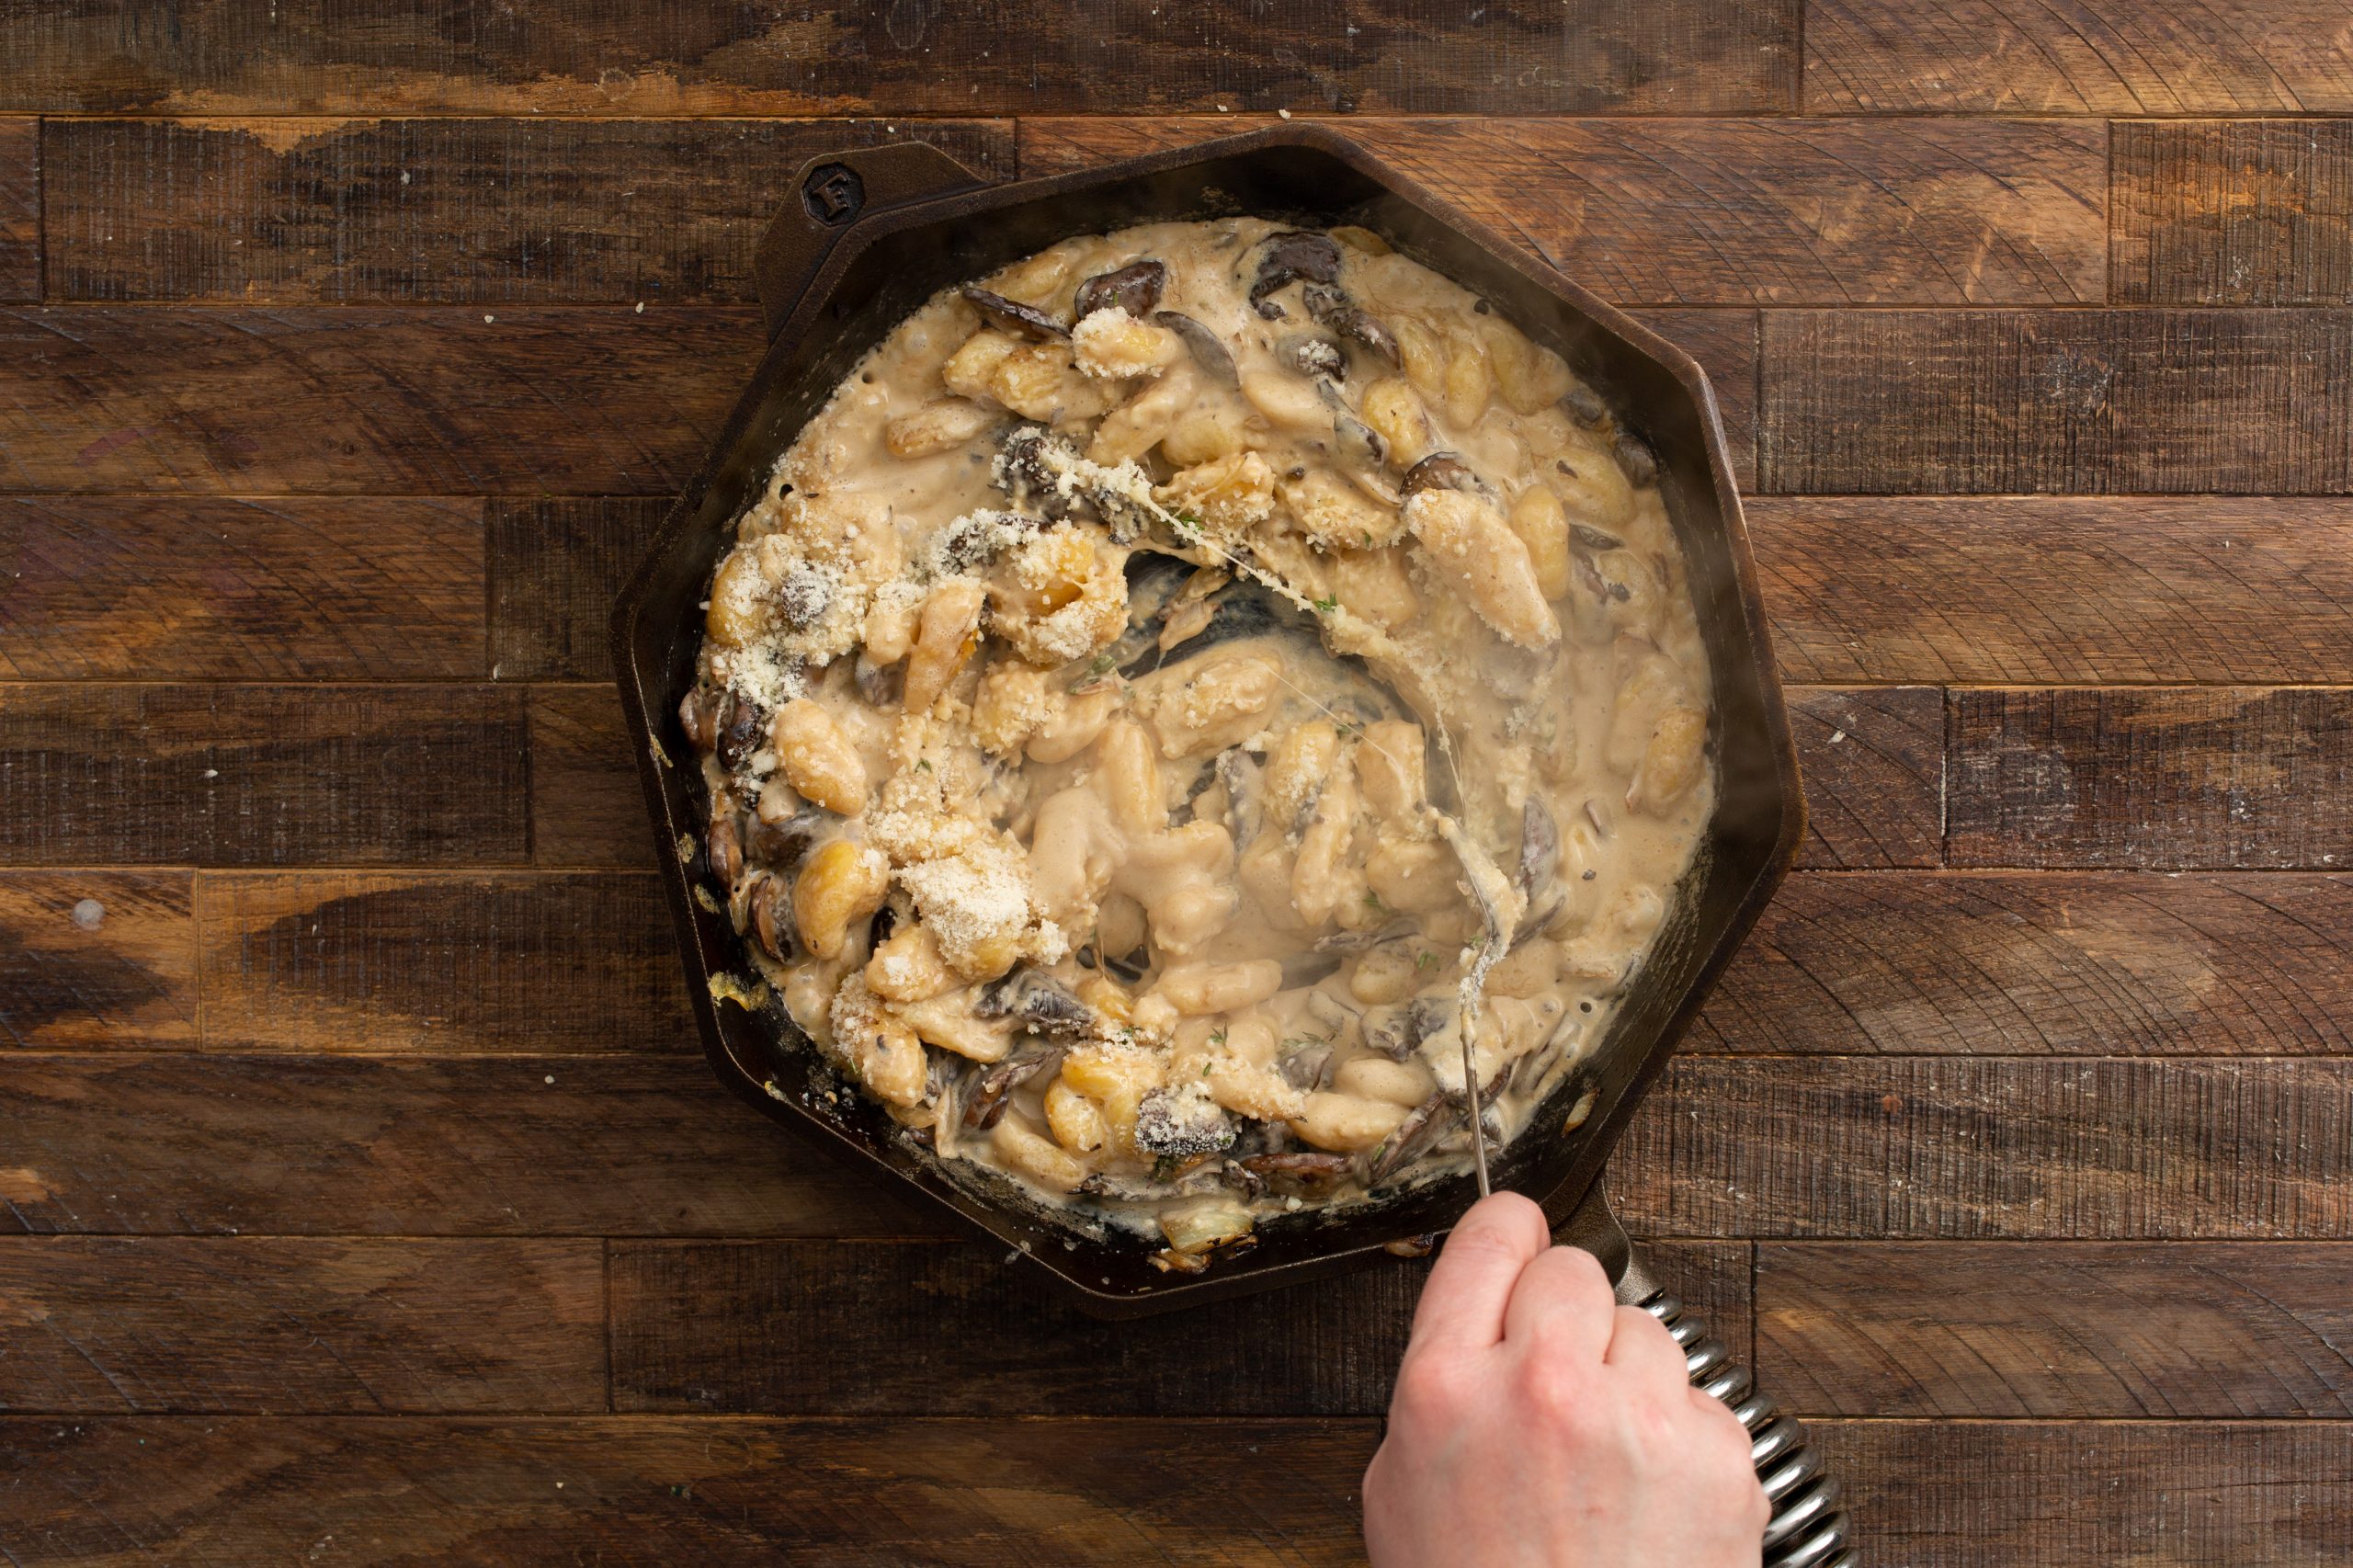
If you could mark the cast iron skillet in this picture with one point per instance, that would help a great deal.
(865, 238)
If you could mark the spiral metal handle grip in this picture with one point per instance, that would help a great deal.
(1808, 1529)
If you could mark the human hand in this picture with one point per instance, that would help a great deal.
(1537, 1422)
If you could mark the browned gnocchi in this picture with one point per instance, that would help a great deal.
(1191, 703)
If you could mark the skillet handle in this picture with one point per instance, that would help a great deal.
(830, 194)
(1808, 1529)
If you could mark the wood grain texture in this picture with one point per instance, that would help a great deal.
(313, 1145)
(1871, 761)
(19, 209)
(1968, 1494)
(2048, 590)
(1967, 1149)
(2152, 57)
(920, 1328)
(1725, 345)
(1212, 1494)
(236, 775)
(1739, 211)
(438, 401)
(1010, 56)
(110, 1325)
(2064, 1330)
(2112, 401)
(587, 804)
(555, 568)
(977, 1493)
(2232, 212)
(147, 588)
(2171, 777)
(95, 960)
(2081, 963)
(490, 211)
(520, 962)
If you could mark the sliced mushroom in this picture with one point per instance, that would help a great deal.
(1172, 1127)
(1584, 406)
(724, 848)
(1287, 257)
(698, 719)
(1308, 354)
(1594, 538)
(1135, 289)
(1013, 316)
(995, 1090)
(1391, 1029)
(1215, 361)
(1415, 1137)
(1640, 464)
(1441, 471)
(1307, 1175)
(741, 730)
(782, 845)
(1351, 321)
(772, 919)
(804, 597)
(1039, 1001)
(1359, 442)
(1304, 1067)
(1357, 942)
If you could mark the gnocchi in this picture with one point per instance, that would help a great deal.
(1127, 708)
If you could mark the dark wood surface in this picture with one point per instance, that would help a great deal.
(363, 1196)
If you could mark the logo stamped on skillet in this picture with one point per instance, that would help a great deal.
(833, 194)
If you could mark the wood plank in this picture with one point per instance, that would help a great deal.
(111, 1325)
(825, 1328)
(436, 401)
(1974, 1148)
(555, 568)
(2080, 963)
(318, 962)
(1725, 345)
(139, 588)
(496, 1147)
(234, 775)
(1729, 1147)
(2232, 212)
(2175, 778)
(1872, 766)
(2154, 57)
(2046, 590)
(119, 1489)
(2104, 401)
(1030, 56)
(19, 209)
(490, 211)
(2070, 1331)
(587, 804)
(94, 959)
(1963, 1495)
(955, 1493)
(1739, 211)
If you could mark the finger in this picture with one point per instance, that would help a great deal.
(1562, 1300)
(1462, 1305)
(1640, 1347)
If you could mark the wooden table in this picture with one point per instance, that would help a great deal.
(368, 1199)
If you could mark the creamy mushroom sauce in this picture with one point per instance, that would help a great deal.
(1170, 687)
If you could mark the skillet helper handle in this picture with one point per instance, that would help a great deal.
(1808, 1529)
(830, 194)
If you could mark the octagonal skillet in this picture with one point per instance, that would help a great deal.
(867, 237)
